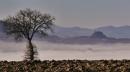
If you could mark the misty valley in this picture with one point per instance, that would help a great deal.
(14, 51)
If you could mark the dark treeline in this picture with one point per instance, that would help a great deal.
(66, 66)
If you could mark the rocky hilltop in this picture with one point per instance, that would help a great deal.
(98, 34)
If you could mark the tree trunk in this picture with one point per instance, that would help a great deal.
(30, 51)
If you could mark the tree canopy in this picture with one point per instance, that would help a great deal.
(28, 22)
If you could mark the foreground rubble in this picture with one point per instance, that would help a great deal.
(66, 66)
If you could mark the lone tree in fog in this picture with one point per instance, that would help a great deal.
(25, 24)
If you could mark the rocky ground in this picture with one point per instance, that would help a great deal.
(66, 66)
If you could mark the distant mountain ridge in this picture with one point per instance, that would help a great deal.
(74, 32)
(96, 38)
(116, 32)
(110, 31)
(71, 31)
(77, 35)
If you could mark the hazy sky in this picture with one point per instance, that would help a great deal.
(69, 13)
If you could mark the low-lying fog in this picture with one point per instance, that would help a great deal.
(47, 51)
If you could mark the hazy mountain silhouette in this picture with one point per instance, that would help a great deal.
(65, 32)
(71, 31)
(96, 38)
(110, 31)
(73, 35)
(116, 32)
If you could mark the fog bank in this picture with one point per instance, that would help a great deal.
(48, 51)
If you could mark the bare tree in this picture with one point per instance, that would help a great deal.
(25, 24)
